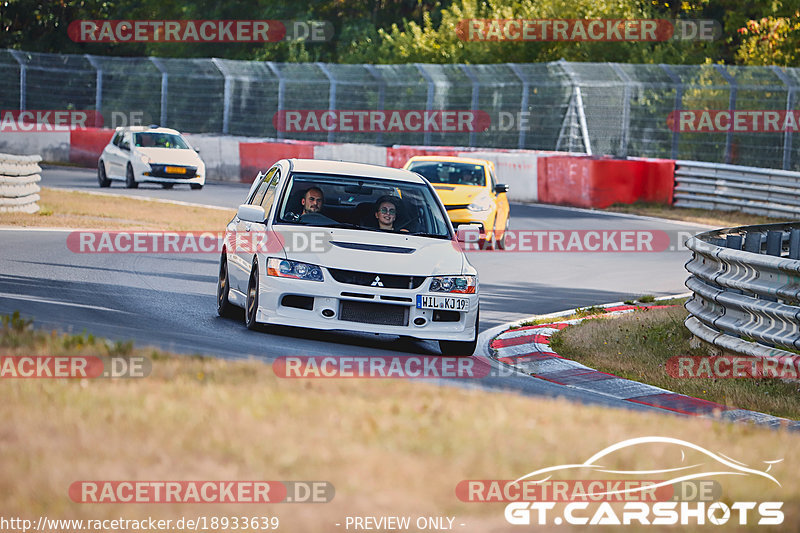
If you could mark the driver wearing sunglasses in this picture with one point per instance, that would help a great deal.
(386, 212)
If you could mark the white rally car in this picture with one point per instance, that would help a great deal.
(311, 248)
(150, 154)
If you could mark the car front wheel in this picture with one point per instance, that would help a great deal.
(500, 243)
(251, 307)
(196, 186)
(102, 179)
(461, 348)
(130, 182)
(224, 306)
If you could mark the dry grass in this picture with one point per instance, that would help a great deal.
(388, 447)
(80, 210)
(720, 219)
(637, 346)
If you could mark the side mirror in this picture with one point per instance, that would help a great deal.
(125, 146)
(251, 213)
(197, 150)
(468, 233)
(500, 188)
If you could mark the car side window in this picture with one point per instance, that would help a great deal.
(269, 197)
(261, 190)
(126, 141)
(117, 139)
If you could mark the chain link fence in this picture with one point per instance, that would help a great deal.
(597, 108)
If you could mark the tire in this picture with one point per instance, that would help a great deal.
(168, 185)
(102, 179)
(130, 182)
(196, 186)
(500, 244)
(461, 348)
(224, 306)
(251, 305)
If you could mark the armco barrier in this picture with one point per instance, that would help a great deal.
(19, 177)
(746, 285)
(585, 181)
(760, 191)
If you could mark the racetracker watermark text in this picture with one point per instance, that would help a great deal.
(369, 121)
(386, 367)
(201, 491)
(739, 120)
(318, 241)
(199, 31)
(76, 367)
(582, 30)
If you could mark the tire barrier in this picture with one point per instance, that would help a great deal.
(759, 191)
(746, 290)
(19, 178)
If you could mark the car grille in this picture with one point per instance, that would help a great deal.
(368, 279)
(374, 313)
(160, 171)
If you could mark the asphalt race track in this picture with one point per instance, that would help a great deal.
(168, 300)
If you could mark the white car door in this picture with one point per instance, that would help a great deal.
(248, 235)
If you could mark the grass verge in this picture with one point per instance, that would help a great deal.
(69, 209)
(390, 447)
(637, 346)
(720, 219)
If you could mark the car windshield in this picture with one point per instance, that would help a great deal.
(450, 172)
(159, 140)
(356, 203)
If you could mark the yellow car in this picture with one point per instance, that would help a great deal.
(470, 192)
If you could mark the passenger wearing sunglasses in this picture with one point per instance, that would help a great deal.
(386, 212)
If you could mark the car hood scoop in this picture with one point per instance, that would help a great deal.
(373, 247)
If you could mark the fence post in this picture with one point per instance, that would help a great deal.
(476, 87)
(381, 95)
(281, 93)
(676, 107)
(626, 109)
(226, 95)
(23, 75)
(164, 85)
(731, 107)
(331, 96)
(98, 91)
(523, 106)
(429, 100)
(576, 90)
(787, 135)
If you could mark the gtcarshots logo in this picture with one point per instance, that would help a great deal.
(370, 121)
(199, 31)
(635, 498)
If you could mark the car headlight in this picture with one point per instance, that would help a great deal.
(482, 203)
(283, 268)
(455, 284)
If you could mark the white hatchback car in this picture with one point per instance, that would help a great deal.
(150, 154)
(347, 246)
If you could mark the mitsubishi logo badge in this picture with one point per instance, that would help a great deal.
(377, 282)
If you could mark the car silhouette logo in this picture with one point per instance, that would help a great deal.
(377, 282)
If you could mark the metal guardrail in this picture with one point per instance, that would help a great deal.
(19, 175)
(760, 191)
(746, 285)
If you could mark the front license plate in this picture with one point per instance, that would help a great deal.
(175, 170)
(448, 303)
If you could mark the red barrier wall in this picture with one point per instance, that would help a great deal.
(589, 182)
(86, 145)
(254, 157)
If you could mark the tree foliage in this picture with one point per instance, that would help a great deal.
(756, 32)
